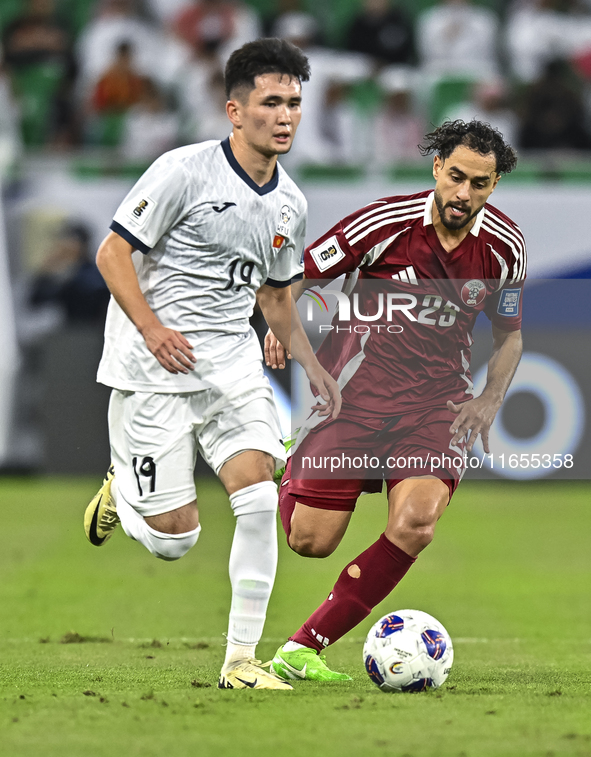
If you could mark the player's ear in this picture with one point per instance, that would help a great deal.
(233, 111)
(437, 166)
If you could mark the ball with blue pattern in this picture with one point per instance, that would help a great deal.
(408, 650)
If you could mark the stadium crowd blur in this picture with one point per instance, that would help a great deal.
(143, 76)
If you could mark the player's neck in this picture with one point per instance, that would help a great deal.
(450, 239)
(259, 167)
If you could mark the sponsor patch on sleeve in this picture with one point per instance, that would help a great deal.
(509, 302)
(142, 210)
(327, 254)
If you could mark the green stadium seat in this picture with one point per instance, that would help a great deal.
(9, 9)
(106, 130)
(317, 172)
(447, 92)
(35, 87)
(367, 96)
(420, 172)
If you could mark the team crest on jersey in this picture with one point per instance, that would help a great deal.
(327, 254)
(509, 302)
(473, 293)
(142, 210)
(284, 220)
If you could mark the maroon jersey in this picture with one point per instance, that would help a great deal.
(404, 343)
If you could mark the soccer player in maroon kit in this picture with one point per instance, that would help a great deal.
(404, 376)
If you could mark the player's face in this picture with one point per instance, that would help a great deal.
(463, 184)
(271, 115)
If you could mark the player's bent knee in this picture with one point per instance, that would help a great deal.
(422, 537)
(170, 546)
(413, 537)
(308, 546)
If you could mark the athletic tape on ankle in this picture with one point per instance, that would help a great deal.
(258, 498)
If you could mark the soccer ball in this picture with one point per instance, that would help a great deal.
(408, 650)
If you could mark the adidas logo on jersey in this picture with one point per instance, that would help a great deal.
(408, 276)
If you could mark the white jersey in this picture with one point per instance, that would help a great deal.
(210, 237)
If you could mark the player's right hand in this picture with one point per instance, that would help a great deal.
(274, 351)
(170, 348)
(330, 400)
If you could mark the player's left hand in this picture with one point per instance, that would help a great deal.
(275, 353)
(474, 417)
(328, 390)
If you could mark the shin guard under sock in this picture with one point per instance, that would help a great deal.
(363, 584)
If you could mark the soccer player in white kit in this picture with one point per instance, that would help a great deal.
(216, 226)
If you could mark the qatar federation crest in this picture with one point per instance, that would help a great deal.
(473, 293)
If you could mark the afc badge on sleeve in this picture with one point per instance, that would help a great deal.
(142, 210)
(509, 302)
(327, 254)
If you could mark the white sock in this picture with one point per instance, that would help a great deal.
(162, 545)
(238, 652)
(253, 563)
(293, 646)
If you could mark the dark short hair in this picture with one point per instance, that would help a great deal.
(476, 135)
(264, 56)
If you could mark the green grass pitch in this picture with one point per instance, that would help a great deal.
(509, 574)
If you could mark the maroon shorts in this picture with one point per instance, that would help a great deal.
(338, 460)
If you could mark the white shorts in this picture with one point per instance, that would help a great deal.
(155, 438)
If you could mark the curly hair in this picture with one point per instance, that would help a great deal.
(264, 56)
(476, 135)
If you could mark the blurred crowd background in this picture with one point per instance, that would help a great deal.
(92, 91)
(143, 76)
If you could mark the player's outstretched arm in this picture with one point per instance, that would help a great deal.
(283, 320)
(275, 352)
(476, 416)
(169, 347)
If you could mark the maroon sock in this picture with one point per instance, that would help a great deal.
(362, 585)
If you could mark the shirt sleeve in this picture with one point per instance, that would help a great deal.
(288, 265)
(352, 243)
(504, 308)
(154, 205)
